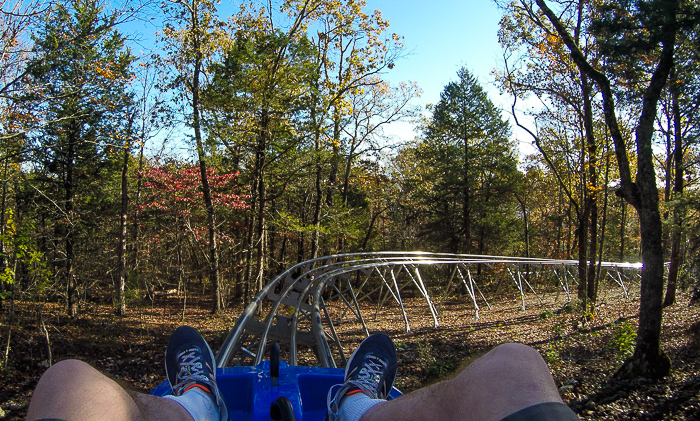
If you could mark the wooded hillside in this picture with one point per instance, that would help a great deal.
(245, 144)
(284, 154)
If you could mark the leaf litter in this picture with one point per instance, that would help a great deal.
(582, 351)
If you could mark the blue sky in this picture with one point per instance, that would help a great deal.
(442, 36)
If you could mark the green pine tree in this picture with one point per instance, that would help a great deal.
(82, 67)
(472, 167)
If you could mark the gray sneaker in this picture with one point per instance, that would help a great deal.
(370, 370)
(189, 363)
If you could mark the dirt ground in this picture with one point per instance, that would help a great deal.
(583, 351)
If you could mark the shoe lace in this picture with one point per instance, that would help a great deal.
(191, 367)
(370, 375)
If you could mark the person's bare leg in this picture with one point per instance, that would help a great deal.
(73, 390)
(509, 378)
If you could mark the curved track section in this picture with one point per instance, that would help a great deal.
(293, 309)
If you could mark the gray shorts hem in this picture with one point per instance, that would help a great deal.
(547, 411)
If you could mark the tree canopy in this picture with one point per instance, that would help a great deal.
(277, 117)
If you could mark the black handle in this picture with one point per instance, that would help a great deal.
(281, 409)
(275, 363)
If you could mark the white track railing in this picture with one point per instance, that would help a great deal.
(308, 286)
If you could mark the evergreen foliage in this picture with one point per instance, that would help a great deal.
(470, 164)
(81, 74)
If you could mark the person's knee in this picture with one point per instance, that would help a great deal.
(68, 368)
(507, 361)
(506, 379)
(66, 373)
(60, 387)
(515, 352)
(515, 358)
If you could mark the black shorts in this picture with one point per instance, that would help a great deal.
(548, 411)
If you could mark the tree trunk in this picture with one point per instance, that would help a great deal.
(3, 260)
(260, 237)
(121, 247)
(623, 224)
(678, 208)
(560, 226)
(368, 234)
(526, 225)
(346, 175)
(248, 247)
(70, 235)
(582, 238)
(206, 191)
(261, 155)
(318, 184)
(335, 158)
(592, 258)
(648, 358)
(466, 200)
(592, 193)
(251, 223)
(603, 222)
(135, 223)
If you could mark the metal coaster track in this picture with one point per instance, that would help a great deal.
(303, 287)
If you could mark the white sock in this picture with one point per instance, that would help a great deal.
(353, 407)
(198, 403)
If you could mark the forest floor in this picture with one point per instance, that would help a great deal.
(582, 351)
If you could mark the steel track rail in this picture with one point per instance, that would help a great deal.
(303, 285)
